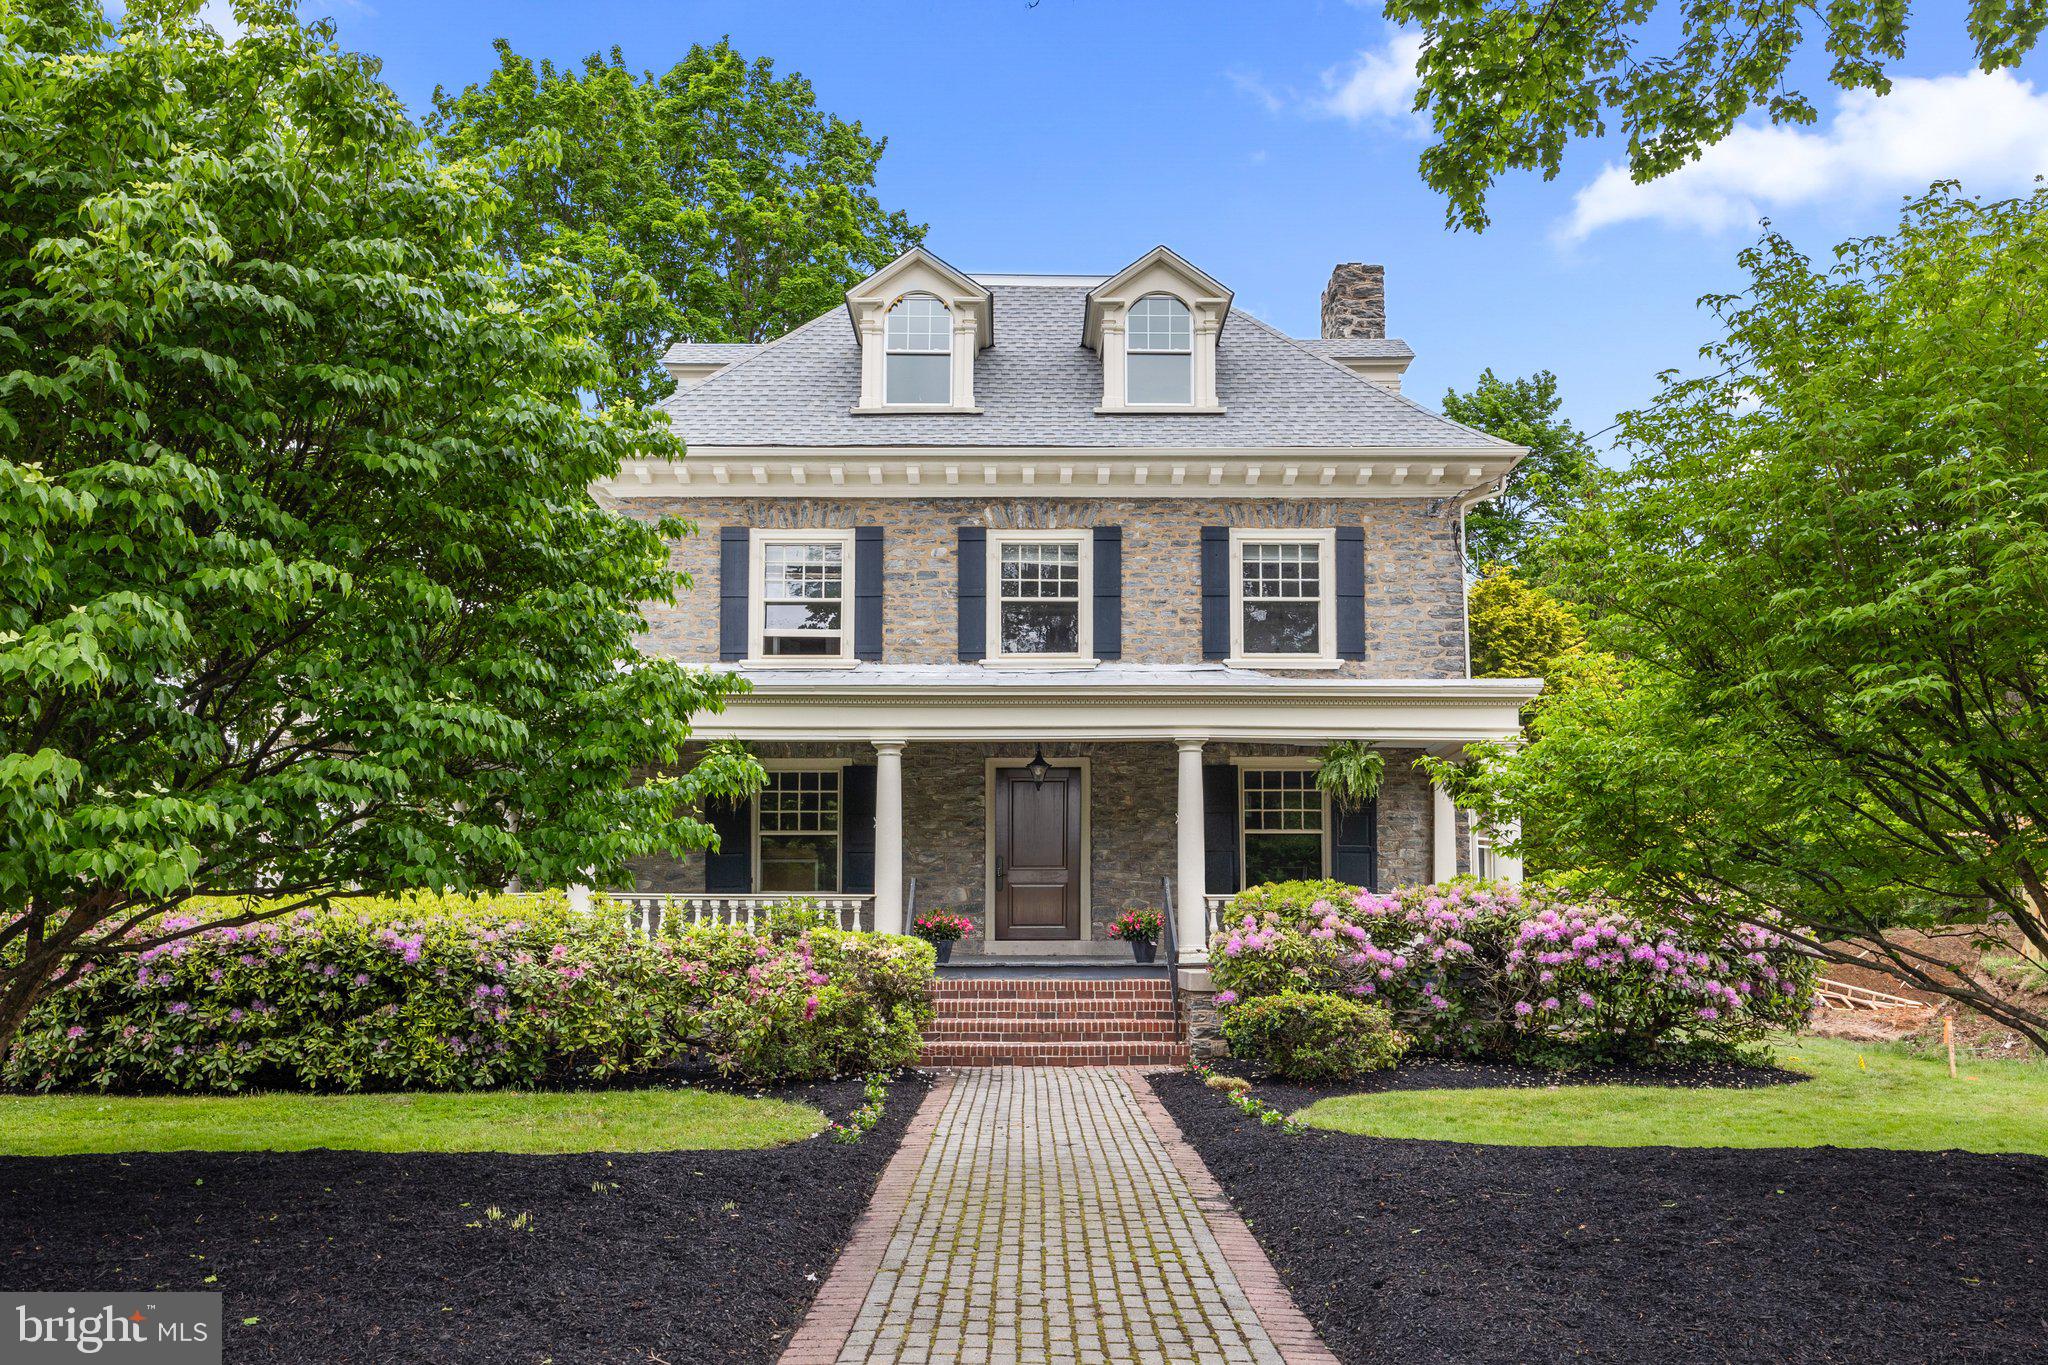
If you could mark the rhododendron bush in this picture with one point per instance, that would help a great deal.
(436, 994)
(1513, 970)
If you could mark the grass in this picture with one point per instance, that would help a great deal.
(498, 1121)
(1861, 1095)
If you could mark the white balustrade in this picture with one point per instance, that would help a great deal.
(1215, 910)
(650, 911)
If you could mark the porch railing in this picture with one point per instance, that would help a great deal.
(650, 911)
(1215, 910)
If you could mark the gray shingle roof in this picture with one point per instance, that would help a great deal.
(1376, 348)
(1038, 386)
(684, 352)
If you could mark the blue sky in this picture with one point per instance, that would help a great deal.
(1268, 140)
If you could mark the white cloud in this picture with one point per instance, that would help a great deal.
(1379, 83)
(1988, 130)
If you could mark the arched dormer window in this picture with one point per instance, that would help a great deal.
(1160, 352)
(918, 351)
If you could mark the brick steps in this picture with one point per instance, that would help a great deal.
(1049, 1021)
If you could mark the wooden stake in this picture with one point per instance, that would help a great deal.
(1948, 1040)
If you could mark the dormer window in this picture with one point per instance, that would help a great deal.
(1160, 352)
(918, 341)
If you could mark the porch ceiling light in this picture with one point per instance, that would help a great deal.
(1038, 767)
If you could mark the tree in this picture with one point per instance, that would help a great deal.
(1518, 631)
(716, 202)
(1550, 483)
(1825, 573)
(1510, 83)
(304, 592)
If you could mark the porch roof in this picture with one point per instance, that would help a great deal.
(1116, 701)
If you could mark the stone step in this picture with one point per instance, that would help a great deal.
(1093, 1053)
(1056, 1009)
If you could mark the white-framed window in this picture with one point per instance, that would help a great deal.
(1284, 822)
(797, 831)
(917, 352)
(1283, 597)
(802, 600)
(1485, 866)
(1159, 352)
(1039, 586)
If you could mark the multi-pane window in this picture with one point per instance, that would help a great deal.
(1283, 825)
(1281, 597)
(1039, 597)
(1159, 349)
(918, 352)
(803, 599)
(799, 831)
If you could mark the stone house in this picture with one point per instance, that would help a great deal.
(1050, 590)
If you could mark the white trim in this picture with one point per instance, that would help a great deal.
(1083, 541)
(988, 846)
(1278, 763)
(1325, 541)
(801, 765)
(756, 604)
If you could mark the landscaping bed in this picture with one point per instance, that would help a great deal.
(1440, 1251)
(700, 1256)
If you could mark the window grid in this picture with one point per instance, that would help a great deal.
(920, 325)
(800, 803)
(1159, 325)
(810, 576)
(1041, 571)
(1282, 801)
(1283, 571)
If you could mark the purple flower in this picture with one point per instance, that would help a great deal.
(362, 978)
(74, 1032)
(1226, 997)
(177, 1007)
(1523, 1007)
(1585, 999)
(1550, 1003)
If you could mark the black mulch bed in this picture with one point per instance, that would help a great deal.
(1432, 1074)
(365, 1256)
(1436, 1251)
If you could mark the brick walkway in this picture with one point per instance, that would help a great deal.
(1054, 1215)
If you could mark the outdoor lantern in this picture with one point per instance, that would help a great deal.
(1038, 767)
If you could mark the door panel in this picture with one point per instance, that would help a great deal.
(1038, 855)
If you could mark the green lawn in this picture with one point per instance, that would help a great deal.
(1861, 1095)
(498, 1121)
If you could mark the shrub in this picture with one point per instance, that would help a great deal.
(1305, 1037)
(1517, 970)
(457, 993)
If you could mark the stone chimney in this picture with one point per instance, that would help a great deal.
(1355, 301)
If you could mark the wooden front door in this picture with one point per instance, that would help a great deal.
(1038, 854)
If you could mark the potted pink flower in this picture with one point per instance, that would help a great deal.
(1140, 929)
(941, 930)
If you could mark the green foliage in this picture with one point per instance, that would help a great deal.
(442, 994)
(1824, 575)
(1510, 83)
(1350, 771)
(1518, 630)
(1300, 904)
(1307, 1038)
(1552, 481)
(303, 588)
(714, 202)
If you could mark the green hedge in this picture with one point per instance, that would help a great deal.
(470, 993)
(1306, 1037)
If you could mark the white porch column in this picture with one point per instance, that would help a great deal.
(1187, 884)
(1443, 823)
(889, 836)
(1509, 866)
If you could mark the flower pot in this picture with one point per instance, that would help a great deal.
(1143, 949)
(944, 948)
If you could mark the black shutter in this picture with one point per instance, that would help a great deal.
(857, 829)
(1216, 593)
(973, 593)
(1351, 593)
(1219, 829)
(1355, 846)
(729, 869)
(732, 593)
(1109, 592)
(867, 592)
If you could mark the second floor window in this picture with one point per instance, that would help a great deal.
(804, 596)
(1284, 609)
(1159, 346)
(918, 352)
(798, 832)
(1040, 582)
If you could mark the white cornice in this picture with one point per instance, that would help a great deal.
(969, 472)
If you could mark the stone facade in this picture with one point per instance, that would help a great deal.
(1414, 570)
(1355, 302)
(1132, 809)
